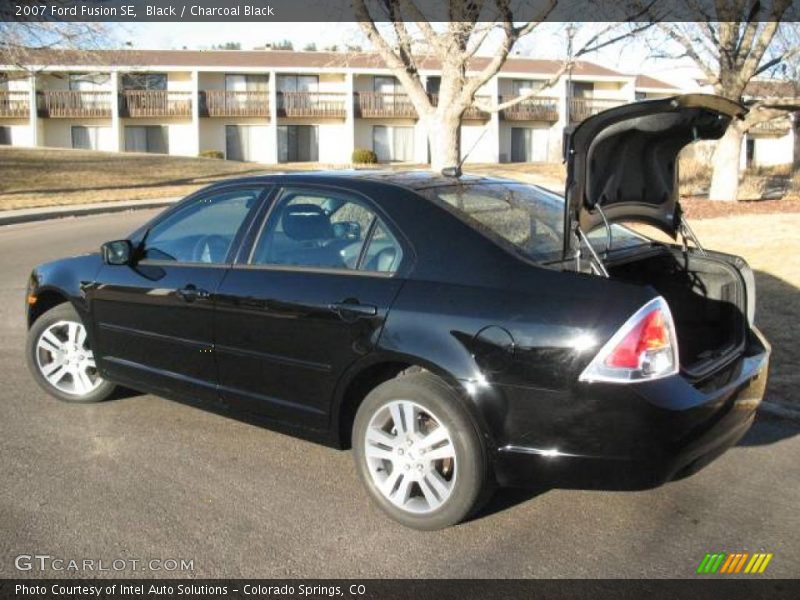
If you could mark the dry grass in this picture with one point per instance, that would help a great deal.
(754, 184)
(47, 177)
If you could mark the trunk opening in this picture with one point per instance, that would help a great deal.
(706, 296)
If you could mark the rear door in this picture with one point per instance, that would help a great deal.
(309, 300)
(154, 319)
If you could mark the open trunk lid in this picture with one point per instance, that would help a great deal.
(622, 162)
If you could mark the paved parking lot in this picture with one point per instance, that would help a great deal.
(141, 477)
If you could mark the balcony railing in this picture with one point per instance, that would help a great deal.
(539, 108)
(311, 104)
(72, 103)
(155, 103)
(220, 103)
(376, 105)
(14, 105)
(472, 113)
(583, 108)
(774, 128)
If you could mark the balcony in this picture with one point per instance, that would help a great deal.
(155, 103)
(330, 105)
(539, 108)
(472, 113)
(220, 103)
(63, 104)
(583, 108)
(775, 128)
(380, 105)
(14, 105)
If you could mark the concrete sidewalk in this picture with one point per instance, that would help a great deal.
(25, 215)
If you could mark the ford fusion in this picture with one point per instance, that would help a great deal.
(457, 332)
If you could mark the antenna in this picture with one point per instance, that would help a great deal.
(456, 171)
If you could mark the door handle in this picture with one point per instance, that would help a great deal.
(353, 308)
(191, 292)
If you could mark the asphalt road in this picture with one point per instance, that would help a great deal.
(142, 477)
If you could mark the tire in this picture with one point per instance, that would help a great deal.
(420, 484)
(57, 346)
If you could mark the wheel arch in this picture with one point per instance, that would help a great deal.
(365, 375)
(46, 299)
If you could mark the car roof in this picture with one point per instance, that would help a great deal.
(411, 179)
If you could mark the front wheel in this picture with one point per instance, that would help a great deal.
(419, 453)
(60, 359)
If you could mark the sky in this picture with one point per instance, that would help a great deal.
(550, 42)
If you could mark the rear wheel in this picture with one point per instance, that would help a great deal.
(60, 359)
(419, 453)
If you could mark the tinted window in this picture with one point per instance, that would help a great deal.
(203, 231)
(383, 253)
(324, 230)
(526, 217)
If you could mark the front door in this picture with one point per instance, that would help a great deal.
(309, 301)
(153, 320)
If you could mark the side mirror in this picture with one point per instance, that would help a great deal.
(118, 252)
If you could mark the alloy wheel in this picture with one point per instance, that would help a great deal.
(65, 360)
(410, 456)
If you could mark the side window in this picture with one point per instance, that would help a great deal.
(317, 229)
(384, 253)
(203, 231)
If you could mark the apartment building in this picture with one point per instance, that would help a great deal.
(276, 106)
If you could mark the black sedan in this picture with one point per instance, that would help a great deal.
(457, 331)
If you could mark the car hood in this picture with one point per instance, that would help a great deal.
(622, 162)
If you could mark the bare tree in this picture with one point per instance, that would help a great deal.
(409, 38)
(18, 35)
(734, 42)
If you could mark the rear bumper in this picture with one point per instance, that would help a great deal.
(607, 436)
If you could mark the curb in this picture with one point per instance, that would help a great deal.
(780, 410)
(13, 217)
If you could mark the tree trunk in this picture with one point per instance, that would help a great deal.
(444, 140)
(725, 176)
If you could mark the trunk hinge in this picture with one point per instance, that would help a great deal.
(687, 233)
(597, 265)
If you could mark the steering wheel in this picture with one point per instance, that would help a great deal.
(210, 249)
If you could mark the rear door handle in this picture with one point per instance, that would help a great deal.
(353, 308)
(191, 292)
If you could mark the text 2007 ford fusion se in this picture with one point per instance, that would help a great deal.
(458, 332)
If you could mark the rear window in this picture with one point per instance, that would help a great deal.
(524, 218)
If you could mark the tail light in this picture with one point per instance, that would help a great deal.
(644, 348)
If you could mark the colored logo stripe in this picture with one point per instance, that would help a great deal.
(721, 562)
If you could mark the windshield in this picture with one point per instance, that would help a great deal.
(528, 218)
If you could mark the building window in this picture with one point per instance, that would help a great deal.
(5, 136)
(641, 96)
(529, 144)
(298, 143)
(246, 83)
(386, 85)
(581, 89)
(521, 87)
(148, 138)
(85, 138)
(239, 142)
(393, 143)
(88, 82)
(298, 83)
(144, 81)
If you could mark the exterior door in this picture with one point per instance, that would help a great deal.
(520, 144)
(153, 321)
(309, 301)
